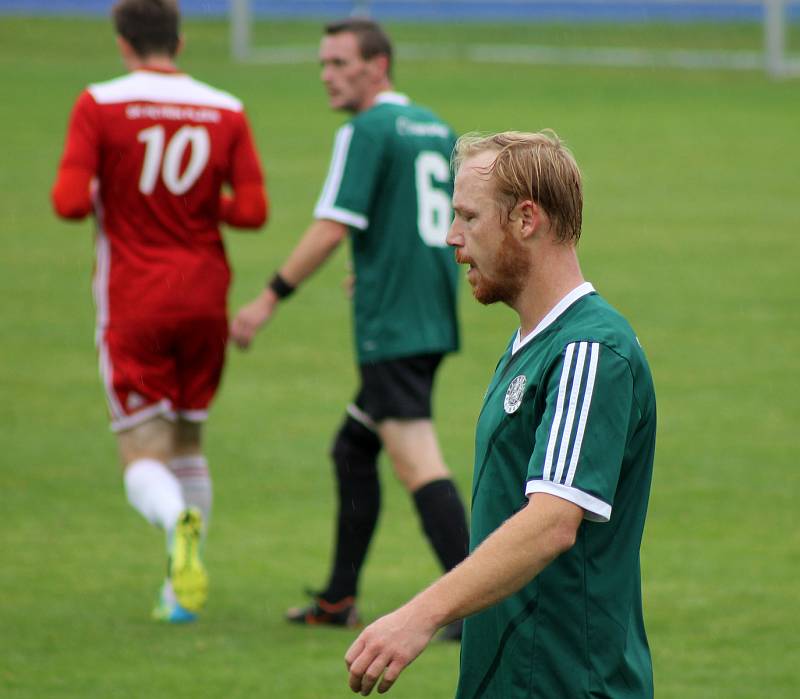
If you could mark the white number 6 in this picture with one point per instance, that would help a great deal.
(434, 213)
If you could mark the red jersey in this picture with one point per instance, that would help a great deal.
(161, 145)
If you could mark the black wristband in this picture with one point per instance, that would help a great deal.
(280, 286)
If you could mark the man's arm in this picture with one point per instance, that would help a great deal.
(71, 194)
(247, 207)
(510, 558)
(318, 242)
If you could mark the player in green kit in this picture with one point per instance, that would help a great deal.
(388, 189)
(563, 457)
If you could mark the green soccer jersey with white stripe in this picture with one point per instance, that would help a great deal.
(570, 411)
(390, 182)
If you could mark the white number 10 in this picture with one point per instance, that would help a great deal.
(175, 181)
(434, 212)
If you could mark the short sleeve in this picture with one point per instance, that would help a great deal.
(352, 177)
(245, 166)
(81, 149)
(580, 441)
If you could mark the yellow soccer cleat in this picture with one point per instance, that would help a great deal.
(167, 607)
(186, 570)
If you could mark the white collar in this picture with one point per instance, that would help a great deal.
(555, 312)
(390, 97)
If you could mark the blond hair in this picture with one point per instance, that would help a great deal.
(536, 166)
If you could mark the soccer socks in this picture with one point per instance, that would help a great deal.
(154, 492)
(441, 511)
(195, 482)
(444, 521)
(355, 454)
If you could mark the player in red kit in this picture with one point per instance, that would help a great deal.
(148, 155)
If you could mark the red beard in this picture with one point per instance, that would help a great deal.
(508, 278)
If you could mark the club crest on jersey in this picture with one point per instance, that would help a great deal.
(514, 393)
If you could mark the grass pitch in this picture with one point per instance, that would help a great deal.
(691, 229)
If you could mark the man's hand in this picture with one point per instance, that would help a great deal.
(251, 317)
(385, 648)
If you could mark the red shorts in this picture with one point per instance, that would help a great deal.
(162, 367)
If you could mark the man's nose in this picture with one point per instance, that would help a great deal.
(454, 235)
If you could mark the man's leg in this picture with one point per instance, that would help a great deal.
(398, 394)
(414, 451)
(417, 459)
(155, 492)
(355, 456)
(151, 487)
(190, 467)
(197, 347)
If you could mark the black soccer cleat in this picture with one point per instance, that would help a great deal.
(323, 613)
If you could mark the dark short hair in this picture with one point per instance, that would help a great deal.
(149, 26)
(372, 39)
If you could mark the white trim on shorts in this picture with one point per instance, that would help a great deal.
(161, 409)
(361, 417)
(193, 415)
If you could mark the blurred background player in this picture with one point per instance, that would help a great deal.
(148, 154)
(389, 186)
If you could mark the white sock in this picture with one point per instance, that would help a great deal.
(195, 480)
(154, 491)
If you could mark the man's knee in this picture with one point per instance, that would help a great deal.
(355, 451)
(414, 451)
(153, 439)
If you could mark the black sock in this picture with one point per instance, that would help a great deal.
(355, 454)
(444, 521)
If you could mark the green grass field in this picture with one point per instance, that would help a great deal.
(691, 229)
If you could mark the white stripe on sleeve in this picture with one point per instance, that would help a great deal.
(554, 428)
(561, 447)
(326, 205)
(594, 356)
(341, 145)
(574, 397)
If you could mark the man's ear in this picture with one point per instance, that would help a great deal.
(531, 216)
(379, 66)
(181, 44)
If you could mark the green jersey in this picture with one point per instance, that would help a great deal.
(390, 182)
(570, 411)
